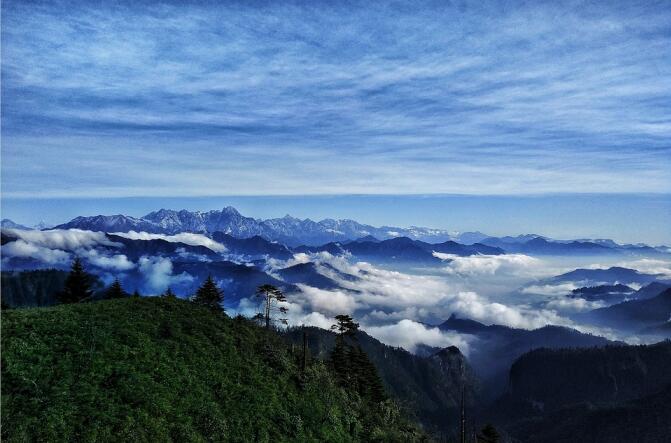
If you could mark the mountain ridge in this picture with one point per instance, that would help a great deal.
(293, 231)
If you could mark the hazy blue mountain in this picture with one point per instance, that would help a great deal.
(508, 242)
(452, 247)
(288, 230)
(468, 238)
(365, 238)
(542, 246)
(252, 246)
(294, 232)
(134, 249)
(333, 248)
(9, 224)
(613, 293)
(228, 221)
(112, 223)
(538, 245)
(612, 276)
(400, 249)
(42, 225)
(651, 290)
(237, 280)
(306, 273)
(609, 293)
(634, 315)
(497, 347)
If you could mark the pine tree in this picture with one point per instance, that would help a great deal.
(339, 361)
(209, 295)
(169, 294)
(115, 291)
(340, 355)
(345, 326)
(270, 297)
(136, 294)
(368, 382)
(352, 367)
(77, 286)
(489, 434)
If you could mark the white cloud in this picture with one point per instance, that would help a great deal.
(187, 238)
(379, 296)
(296, 314)
(66, 239)
(23, 249)
(569, 305)
(471, 305)
(558, 289)
(408, 334)
(118, 262)
(157, 272)
(514, 264)
(329, 302)
(650, 266)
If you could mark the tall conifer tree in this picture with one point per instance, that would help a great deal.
(77, 286)
(115, 291)
(270, 297)
(210, 295)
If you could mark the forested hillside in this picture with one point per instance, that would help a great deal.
(428, 387)
(606, 394)
(164, 369)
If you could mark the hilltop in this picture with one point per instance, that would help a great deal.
(156, 369)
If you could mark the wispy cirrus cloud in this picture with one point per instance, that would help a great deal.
(523, 98)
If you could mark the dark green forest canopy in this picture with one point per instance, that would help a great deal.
(157, 369)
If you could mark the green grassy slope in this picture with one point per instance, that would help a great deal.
(156, 369)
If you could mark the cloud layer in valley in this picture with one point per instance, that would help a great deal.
(187, 238)
(382, 296)
(477, 265)
(65, 239)
(57, 248)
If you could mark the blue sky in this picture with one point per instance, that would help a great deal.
(162, 100)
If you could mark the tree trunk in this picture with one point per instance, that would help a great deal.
(305, 350)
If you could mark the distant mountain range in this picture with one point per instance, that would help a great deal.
(7, 223)
(293, 232)
(538, 245)
(402, 249)
(650, 316)
(609, 293)
(288, 230)
(593, 278)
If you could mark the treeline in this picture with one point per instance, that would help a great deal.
(351, 368)
(162, 369)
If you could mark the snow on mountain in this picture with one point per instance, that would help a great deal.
(290, 230)
(293, 231)
(112, 223)
(10, 224)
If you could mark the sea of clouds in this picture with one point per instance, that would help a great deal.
(401, 307)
